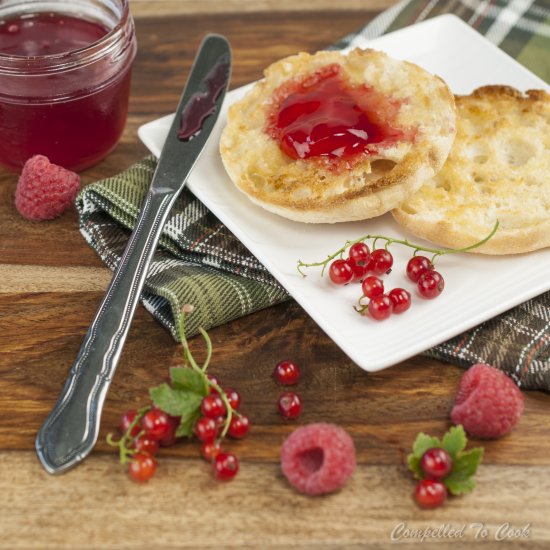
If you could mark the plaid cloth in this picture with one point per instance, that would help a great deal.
(198, 261)
(201, 262)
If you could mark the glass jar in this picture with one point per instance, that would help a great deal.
(69, 105)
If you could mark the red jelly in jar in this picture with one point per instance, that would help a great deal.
(322, 115)
(65, 70)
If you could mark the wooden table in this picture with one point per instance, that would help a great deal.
(51, 283)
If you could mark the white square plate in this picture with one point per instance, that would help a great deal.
(477, 287)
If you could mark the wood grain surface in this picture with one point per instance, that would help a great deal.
(51, 283)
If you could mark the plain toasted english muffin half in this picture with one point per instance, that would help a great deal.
(498, 169)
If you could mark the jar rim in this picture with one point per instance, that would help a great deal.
(72, 57)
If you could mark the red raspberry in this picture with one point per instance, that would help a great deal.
(487, 403)
(318, 458)
(45, 190)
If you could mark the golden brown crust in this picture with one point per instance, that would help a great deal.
(495, 92)
(311, 190)
(498, 169)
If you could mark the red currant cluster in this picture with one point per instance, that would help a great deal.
(436, 464)
(195, 404)
(366, 266)
(443, 466)
(145, 430)
(289, 404)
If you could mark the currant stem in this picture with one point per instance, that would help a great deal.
(361, 307)
(185, 310)
(191, 360)
(390, 240)
(208, 348)
(228, 407)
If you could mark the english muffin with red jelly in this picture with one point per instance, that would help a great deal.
(331, 137)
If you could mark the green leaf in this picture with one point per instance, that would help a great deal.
(175, 402)
(424, 442)
(460, 486)
(454, 441)
(460, 481)
(414, 466)
(185, 429)
(185, 378)
(467, 462)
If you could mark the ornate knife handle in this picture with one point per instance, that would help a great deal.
(72, 427)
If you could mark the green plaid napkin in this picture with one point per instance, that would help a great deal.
(201, 262)
(198, 261)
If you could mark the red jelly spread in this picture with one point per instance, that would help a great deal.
(203, 104)
(323, 115)
(64, 83)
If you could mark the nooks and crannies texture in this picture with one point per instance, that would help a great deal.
(497, 170)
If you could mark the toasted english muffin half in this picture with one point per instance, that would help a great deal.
(418, 108)
(498, 169)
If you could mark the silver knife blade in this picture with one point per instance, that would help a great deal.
(71, 429)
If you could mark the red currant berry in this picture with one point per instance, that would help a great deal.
(287, 373)
(125, 422)
(430, 284)
(206, 429)
(380, 307)
(234, 398)
(239, 427)
(156, 423)
(226, 466)
(142, 467)
(359, 271)
(146, 444)
(369, 265)
(359, 258)
(418, 265)
(220, 421)
(290, 405)
(340, 272)
(401, 299)
(210, 450)
(213, 406)
(436, 463)
(382, 261)
(169, 439)
(372, 286)
(213, 380)
(359, 253)
(430, 493)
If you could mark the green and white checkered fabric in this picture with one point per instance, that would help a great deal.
(201, 262)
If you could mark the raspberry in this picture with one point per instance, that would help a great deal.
(488, 404)
(318, 458)
(45, 190)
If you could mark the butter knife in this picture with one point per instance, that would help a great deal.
(71, 429)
